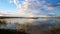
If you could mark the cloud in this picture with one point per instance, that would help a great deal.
(2, 13)
(32, 8)
(54, 4)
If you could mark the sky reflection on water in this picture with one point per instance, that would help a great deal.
(41, 22)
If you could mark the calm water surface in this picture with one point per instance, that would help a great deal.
(42, 22)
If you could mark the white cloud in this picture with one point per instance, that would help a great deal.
(50, 8)
(11, 1)
(31, 8)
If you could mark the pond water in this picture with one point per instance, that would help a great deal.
(42, 22)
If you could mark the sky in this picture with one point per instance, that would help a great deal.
(30, 8)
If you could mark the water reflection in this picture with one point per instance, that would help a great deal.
(41, 22)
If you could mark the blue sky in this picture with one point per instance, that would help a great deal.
(5, 5)
(10, 6)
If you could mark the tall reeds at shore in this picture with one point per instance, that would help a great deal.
(2, 22)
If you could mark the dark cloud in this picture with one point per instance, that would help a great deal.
(53, 3)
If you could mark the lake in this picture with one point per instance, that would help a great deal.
(42, 22)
